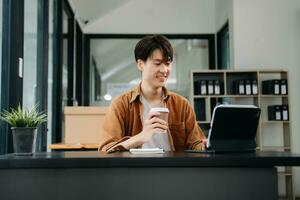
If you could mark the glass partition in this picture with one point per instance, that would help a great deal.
(30, 52)
(114, 69)
(50, 72)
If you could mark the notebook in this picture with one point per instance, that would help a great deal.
(146, 150)
(232, 129)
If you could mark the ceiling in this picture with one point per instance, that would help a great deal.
(144, 16)
(88, 12)
(114, 58)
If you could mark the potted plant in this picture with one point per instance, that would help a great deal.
(24, 123)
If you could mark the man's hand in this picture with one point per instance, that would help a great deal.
(203, 144)
(153, 125)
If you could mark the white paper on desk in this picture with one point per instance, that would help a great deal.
(146, 150)
(72, 144)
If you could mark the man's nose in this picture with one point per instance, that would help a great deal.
(164, 68)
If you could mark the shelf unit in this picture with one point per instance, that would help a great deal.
(271, 135)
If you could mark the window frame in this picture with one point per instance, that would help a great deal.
(88, 37)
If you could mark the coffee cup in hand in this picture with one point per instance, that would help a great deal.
(164, 113)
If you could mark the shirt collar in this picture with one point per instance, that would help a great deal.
(138, 90)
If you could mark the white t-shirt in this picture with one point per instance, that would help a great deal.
(158, 140)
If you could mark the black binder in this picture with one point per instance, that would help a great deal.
(203, 87)
(254, 87)
(285, 112)
(283, 87)
(239, 87)
(274, 113)
(271, 87)
(197, 87)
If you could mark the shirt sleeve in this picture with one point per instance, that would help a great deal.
(113, 128)
(195, 135)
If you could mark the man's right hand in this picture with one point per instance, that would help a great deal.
(153, 125)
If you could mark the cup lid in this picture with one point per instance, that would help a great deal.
(159, 109)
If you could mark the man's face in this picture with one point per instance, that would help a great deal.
(154, 71)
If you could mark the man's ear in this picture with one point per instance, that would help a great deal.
(140, 64)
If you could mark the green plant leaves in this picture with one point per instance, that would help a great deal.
(23, 117)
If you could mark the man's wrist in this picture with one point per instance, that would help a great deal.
(140, 138)
(133, 142)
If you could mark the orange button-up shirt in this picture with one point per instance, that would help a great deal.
(124, 119)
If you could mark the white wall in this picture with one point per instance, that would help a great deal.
(267, 34)
(156, 16)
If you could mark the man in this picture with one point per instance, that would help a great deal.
(128, 123)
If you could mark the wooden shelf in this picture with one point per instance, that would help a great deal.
(230, 80)
(209, 96)
(225, 96)
(241, 96)
(272, 96)
(274, 71)
(285, 173)
(275, 122)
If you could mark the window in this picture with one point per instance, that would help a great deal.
(114, 64)
(50, 72)
(30, 52)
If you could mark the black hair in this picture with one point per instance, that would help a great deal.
(145, 47)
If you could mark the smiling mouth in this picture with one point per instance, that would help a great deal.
(162, 75)
(162, 78)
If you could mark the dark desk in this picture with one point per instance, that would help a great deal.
(95, 175)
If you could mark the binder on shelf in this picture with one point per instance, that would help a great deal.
(241, 87)
(199, 108)
(196, 87)
(210, 86)
(276, 87)
(203, 90)
(271, 86)
(254, 86)
(285, 112)
(283, 86)
(248, 87)
(274, 113)
(217, 87)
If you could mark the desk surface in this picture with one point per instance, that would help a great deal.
(96, 175)
(95, 159)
